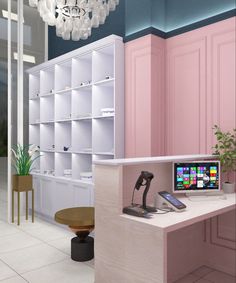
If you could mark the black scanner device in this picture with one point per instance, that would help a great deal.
(143, 210)
(135, 210)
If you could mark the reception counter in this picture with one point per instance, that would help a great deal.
(130, 249)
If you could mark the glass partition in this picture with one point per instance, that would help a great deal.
(33, 45)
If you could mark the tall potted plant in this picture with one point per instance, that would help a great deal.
(225, 148)
(22, 160)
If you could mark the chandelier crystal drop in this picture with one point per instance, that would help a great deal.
(74, 19)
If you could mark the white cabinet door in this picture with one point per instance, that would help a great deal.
(82, 195)
(48, 197)
(37, 194)
(63, 194)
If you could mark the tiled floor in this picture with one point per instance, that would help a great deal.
(37, 252)
(205, 274)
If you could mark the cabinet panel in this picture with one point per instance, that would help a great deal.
(37, 195)
(186, 97)
(47, 196)
(63, 196)
(82, 195)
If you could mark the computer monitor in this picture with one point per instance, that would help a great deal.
(196, 177)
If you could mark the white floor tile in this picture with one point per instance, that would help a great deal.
(202, 271)
(63, 244)
(3, 195)
(49, 233)
(16, 279)
(7, 229)
(90, 263)
(188, 279)
(63, 272)
(17, 241)
(3, 210)
(220, 277)
(6, 271)
(33, 258)
(28, 225)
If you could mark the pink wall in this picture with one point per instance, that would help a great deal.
(176, 90)
(200, 87)
(144, 102)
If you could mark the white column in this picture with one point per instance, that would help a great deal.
(20, 74)
(9, 76)
(46, 43)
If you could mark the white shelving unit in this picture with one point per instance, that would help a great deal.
(67, 98)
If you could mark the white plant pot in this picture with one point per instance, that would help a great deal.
(228, 188)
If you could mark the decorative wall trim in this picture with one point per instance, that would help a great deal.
(203, 23)
(193, 26)
(216, 239)
(219, 235)
(146, 31)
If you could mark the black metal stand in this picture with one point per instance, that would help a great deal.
(82, 249)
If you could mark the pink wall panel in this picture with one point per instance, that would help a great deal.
(211, 79)
(186, 95)
(222, 104)
(137, 87)
(144, 97)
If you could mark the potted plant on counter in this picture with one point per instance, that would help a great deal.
(22, 160)
(225, 148)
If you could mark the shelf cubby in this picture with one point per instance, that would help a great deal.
(34, 85)
(82, 71)
(102, 157)
(82, 136)
(81, 103)
(34, 111)
(34, 134)
(81, 163)
(63, 76)
(103, 136)
(103, 63)
(47, 142)
(63, 106)
(47, 109)
(47, 81)
(63, 136)
(47, 161)
(103, 97)
(62, 162)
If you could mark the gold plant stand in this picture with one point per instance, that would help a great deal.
(22, 184)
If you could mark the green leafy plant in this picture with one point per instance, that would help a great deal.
(23, 158)
(225, 148)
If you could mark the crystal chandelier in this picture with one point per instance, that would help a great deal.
(74, 18)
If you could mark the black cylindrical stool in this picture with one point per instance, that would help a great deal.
(81, 221)
(82, 250)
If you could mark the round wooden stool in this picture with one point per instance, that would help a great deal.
(81, 221)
